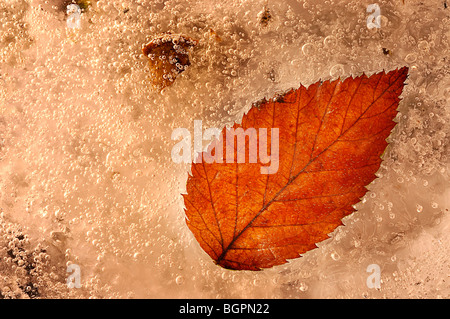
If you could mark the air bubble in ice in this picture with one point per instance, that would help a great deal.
(308, 49)
(337, 71)
(411, 57)
(330, 42)
(335, 256)
(423, 45)
(303, 286)
(179, 280)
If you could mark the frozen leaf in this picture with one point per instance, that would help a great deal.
(168, 56)
(331, 137)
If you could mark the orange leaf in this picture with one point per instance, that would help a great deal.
(331, 137)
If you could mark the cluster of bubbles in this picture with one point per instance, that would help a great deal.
(26, 268)
(86, 175)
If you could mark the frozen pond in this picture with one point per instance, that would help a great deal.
(86, 174)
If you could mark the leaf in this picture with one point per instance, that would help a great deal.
(331, 137)
(168, 57)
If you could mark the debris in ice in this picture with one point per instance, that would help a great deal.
(168, 56)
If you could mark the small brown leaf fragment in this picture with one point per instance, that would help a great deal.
(83, 4)
(264, 17)
(386, 51)
(214, 35)
(168, 56)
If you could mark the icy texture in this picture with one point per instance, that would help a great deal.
(85, 170)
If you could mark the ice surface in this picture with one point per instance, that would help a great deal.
(85, 170)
